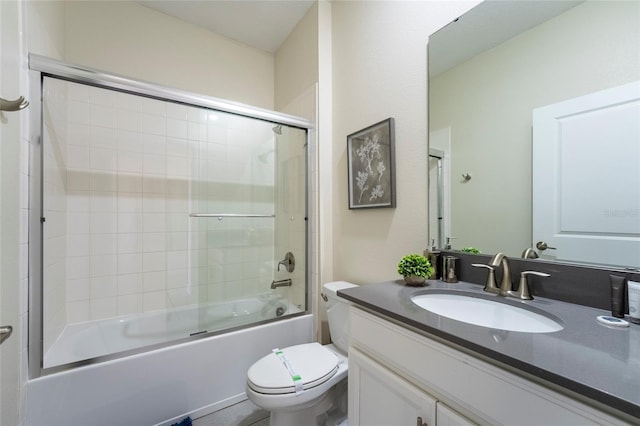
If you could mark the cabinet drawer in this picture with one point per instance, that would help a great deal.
(479, 390)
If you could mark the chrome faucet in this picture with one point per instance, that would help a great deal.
(529, 253)
(523, 288)
(506, 287)
(289, 262)
(500, 259)
(490, 285)
(281, 283)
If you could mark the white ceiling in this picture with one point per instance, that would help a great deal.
(264, 24)
(487, 25)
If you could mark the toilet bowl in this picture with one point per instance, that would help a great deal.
(306, 384)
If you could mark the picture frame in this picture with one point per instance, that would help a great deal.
(371, 168)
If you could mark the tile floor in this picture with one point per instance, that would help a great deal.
(244, 413)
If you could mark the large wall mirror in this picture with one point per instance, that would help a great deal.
(490, 72)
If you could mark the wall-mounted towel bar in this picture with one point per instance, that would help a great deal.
(221, 215)
(17, 105)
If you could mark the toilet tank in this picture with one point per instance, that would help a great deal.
(338, 313)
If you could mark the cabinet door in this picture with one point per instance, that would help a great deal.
(445, 416)
(378, 397)
(466, 381)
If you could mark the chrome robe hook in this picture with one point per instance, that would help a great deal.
(17, 105)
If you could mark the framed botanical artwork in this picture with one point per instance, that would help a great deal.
(370, 157)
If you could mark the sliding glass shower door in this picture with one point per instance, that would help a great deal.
(162, 220)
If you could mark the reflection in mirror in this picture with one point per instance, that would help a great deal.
(484, 85)
(436, 197)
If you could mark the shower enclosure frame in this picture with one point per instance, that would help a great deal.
(438, 155)
(40, 67)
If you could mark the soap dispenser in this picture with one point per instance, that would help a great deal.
(433, 254)
(447, 246)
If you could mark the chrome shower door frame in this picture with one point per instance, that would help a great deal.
(40, 67)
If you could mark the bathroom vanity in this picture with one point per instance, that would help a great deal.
(410, 366)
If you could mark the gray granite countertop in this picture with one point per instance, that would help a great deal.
(596, 361)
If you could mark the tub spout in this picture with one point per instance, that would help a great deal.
(280, 283)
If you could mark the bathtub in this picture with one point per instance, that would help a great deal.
(93, 339)
(161, 386)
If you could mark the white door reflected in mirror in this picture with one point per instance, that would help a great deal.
(586, 208)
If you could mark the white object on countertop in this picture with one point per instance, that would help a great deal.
(612, 321)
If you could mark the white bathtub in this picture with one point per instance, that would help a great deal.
(93, 339)
(160, 386)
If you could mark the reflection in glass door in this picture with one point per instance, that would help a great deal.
(439, 163)
(164, 220)
(436, 195)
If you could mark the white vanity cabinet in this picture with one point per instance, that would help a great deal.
(445, 416)
(379, 397)
(384, 398)
(397, 375)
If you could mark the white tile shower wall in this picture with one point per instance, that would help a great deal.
(291, 214)
(136, 168)
(55, 211)
(235, 176)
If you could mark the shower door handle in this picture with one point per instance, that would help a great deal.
(5, 332)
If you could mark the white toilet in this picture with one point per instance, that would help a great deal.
(306, 384)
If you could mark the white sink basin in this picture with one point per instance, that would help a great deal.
(486, 313)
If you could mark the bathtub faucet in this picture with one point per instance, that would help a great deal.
(289, 262)
(281, 283)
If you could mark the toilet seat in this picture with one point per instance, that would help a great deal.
(314, 364)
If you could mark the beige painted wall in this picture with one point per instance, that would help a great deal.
(132, 40)
(45, 28)
(379, 71)
(491, 130)
(296, 61)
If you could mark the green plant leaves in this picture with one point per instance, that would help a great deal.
(415, 264)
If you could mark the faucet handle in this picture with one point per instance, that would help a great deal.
(523, 287)
(529, 253)
(490, 286)
(289, 262)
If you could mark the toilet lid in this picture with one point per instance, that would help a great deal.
(312, 362)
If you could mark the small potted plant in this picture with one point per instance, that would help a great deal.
(415, 269)
(470, 250)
